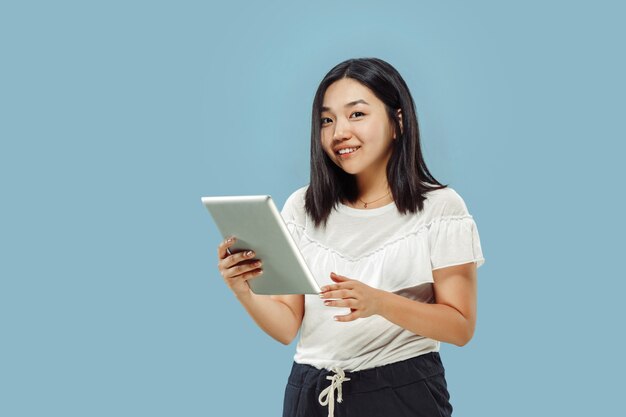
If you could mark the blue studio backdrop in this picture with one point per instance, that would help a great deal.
(116, 117)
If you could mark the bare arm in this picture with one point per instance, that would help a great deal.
(452, 319)
(280, 316)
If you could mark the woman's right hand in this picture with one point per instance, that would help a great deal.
(237, 268)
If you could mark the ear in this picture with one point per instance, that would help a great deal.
(399, 114)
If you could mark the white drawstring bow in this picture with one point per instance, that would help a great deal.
(329, 392)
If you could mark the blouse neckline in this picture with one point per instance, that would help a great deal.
(365, 212)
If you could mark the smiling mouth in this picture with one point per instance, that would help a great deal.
(348, 154)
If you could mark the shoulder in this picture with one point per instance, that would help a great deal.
(296, 198)
(445, 202)
(293, 209)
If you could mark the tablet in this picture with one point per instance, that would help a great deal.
(257, 224)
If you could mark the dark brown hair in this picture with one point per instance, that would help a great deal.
(407, 174)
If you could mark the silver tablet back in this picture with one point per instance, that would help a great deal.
(258, 225)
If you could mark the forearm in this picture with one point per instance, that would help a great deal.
(436, 321)
(273, 317)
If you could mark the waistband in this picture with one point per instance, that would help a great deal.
(390, 375)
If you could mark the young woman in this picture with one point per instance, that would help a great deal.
(395, 252)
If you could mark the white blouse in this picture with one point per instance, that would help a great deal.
(385, 250)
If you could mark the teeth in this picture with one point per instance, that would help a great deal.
(347, 150)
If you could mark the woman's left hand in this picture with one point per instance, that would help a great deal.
(361, 299)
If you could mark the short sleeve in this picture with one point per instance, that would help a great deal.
(453, 235)
(293, 213)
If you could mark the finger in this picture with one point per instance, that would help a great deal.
(222, 249)
(251, 274)
(338, 278)
(235, 258)
(341, 293)
(326, 288)
(346, 302)
(242, 268)
(333, 287)
(348, 317)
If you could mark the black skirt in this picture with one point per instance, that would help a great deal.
(413, 387)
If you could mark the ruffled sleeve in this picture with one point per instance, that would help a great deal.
(293, 213)
(452, 235)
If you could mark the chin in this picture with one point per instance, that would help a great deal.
(347, 171)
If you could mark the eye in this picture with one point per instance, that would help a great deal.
(326, 120)
(358, 112)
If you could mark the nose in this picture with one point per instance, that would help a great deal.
(342, 129)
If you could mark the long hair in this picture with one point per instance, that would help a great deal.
(407, 174)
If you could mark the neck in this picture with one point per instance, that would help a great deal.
(373, 185)
(373, 194)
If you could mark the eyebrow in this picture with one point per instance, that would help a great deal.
(352, 103)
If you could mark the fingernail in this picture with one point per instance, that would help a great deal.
(249, 253)
(229, 240)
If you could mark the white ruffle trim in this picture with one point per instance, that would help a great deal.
(450, 238)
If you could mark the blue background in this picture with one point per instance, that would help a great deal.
(116, 117)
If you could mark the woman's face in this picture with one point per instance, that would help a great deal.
(354, 119)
